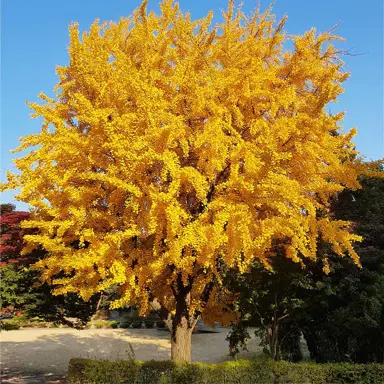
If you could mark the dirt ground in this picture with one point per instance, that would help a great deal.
(42, 355)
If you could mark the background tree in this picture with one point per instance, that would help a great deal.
(344, 318)
(16, 279)
(271, 301)
(20, 287)
(339, 314)
(174, 148)
(12, 236)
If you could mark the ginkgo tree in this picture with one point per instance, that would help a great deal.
(174, 149)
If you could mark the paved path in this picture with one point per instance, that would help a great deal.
(41, 355)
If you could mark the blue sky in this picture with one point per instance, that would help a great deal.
(35, 38)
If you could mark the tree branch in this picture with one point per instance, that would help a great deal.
(283, 317)
(204, 298)
(163, 312)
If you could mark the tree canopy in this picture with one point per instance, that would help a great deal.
(174, 147)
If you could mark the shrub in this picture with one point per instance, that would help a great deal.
(9, 325)
(104, 324)
(36, 322)
(102, 371)
(25, 321)
(230, 372)
(114, 324)
(154, 372)
(160, 324)
(137, 323)
(149, 323)
(19, 321)
(126, 322)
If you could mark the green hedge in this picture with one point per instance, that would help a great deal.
(9, 325)
(231, 372)
(24, 321)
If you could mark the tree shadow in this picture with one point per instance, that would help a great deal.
(50, 353)
(45, 353)
(16, 377)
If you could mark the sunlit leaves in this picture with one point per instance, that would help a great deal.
(175, 144)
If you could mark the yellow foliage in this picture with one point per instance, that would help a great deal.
(172, 144)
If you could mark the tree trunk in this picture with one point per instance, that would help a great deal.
(99, 302)
(274, 342)
(181, 337)
(181, 323)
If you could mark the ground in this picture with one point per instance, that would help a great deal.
(41, 355)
